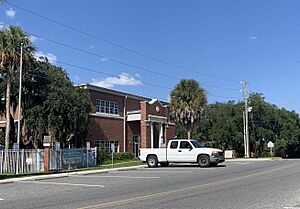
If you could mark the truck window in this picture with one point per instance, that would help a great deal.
(197, 144)
(174, 145)
(185, 145)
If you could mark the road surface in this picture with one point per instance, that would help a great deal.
(233, 185)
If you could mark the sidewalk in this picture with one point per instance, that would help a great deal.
(62, 175)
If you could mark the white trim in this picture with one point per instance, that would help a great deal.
(156, 118)
(134, 117)
(133, 112)
(103, 115)
(153, 101)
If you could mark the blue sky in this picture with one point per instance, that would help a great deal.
(230, 41)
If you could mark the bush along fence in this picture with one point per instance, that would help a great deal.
(46, 160)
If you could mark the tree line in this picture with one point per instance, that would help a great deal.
(51, 104)
(221, 124)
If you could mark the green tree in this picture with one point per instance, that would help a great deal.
(188, 103)
(54, 106)
(11, 39)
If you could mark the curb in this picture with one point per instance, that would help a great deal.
(63, 175)
(252, 159)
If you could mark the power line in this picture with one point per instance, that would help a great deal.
(123, 63)
(109, 74)
(117, 45)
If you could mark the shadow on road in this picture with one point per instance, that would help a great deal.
(192, 166)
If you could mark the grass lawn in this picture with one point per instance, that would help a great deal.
(105, 165)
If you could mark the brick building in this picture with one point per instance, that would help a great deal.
(128, 121)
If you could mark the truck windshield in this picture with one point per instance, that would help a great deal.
(197, 144)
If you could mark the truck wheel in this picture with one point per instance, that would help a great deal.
(164, 164)
(152, 161)
(203, 161)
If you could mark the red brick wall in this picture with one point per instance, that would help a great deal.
(170, 133)
(105, 129)
(133, 128)
(152, 109)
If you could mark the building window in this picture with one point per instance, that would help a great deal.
(107, 107)
(106, 145)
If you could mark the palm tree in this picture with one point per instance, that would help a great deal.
(188, 102)
(11, 39)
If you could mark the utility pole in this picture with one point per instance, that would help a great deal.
(20, 97)
(246, 128)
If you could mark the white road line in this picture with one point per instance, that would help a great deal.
(291, 207)
(59, 183)
(125, 177)
(1, 199)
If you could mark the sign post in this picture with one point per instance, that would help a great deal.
(112, 154)
(88, 147)
(271, 145)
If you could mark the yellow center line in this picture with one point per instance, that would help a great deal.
(160, 194)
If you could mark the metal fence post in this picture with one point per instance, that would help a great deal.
(22, 161)
(87, 157)
(95, 156)
(1, 163)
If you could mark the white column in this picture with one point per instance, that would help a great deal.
(152, 136)
(161, 135)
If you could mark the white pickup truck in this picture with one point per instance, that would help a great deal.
(182, 151)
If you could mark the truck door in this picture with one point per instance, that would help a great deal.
(172, 151)
(186, 152)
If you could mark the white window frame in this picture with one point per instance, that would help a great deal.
(107, 107)
(106, 145)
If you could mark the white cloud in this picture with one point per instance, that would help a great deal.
(104, 59)
(33, 39)
(10, 13)
(284, 102)
(51, 57)
(2, 25)
(124, 79)
(253, 38)
(77, 78)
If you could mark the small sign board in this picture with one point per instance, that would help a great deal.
(47, 141)
(16, 146)
(57, 146)
(112, 147)
(88, 145)
(270, 144)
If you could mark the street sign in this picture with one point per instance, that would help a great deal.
(112, 147)
(88, 145)
(47, 141)
(16, 146)
(270, 144)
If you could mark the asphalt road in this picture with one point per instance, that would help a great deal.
(253, 184)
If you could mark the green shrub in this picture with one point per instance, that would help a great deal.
(101, 155)
(2, 138)
(123, 156)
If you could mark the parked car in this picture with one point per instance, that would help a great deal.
(182, 151)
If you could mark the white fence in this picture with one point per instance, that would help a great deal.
(32, 161)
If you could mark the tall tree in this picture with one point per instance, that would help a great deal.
(54, 106)
(188, 102)
(11, 39)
